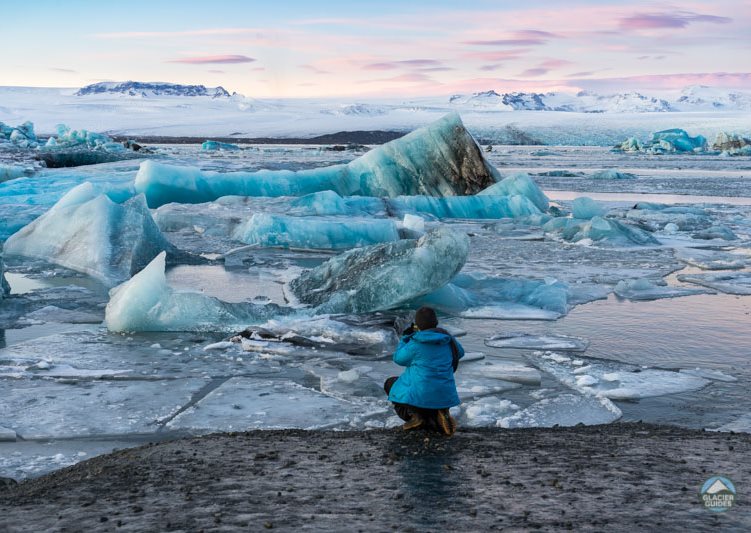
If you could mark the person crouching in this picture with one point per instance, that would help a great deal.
(426, 390)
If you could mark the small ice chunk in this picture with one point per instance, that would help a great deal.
(414, 222)
(528, 341)
(223, 345)
(564, 410)
(644, 289)
(584, 208)
(348, 376)
(730, 283)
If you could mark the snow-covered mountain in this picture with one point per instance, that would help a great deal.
(695, 98)
(150, 89)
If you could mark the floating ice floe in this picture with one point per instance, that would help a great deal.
(87, 232)
(213, 146)
(480, 296)
(509, 371)
(612, 174)
(584, 208)
(731, 283)
(147, 303)
(315, 233)
(613, 380)
(564, 410)
(250, 403)
(600, 230)
(715, 232)
(383, 276)
(645, 289)
(714, 375)
(711, 259)
(519, 185)
(441, 159)
(527, 341)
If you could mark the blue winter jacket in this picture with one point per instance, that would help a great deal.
(428, 381)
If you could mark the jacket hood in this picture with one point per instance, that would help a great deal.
(431, 337)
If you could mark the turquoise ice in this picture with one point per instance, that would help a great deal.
(585, 208)
(315, 232)
(441, 159)
(520, 184)
(212, 146)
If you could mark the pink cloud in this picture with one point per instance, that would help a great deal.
(534, 72)
(408, 63)
(222, 59)
(497, 56)
(678, 19)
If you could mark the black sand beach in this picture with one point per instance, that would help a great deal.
(616, 477)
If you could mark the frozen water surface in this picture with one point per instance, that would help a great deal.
(73, 389)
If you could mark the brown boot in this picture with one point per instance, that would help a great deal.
(414, 422)
(445, 422)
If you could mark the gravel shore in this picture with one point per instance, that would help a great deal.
(616, 477)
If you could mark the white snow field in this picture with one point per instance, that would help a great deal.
(183, 290)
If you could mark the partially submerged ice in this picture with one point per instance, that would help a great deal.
(519, 184)
(645, 289)
(675, 140)
(564, 410)
(472, 207)
(383, 276)
(528, 341)
(731, 283)
(87, 232)
(612, 174)
(315, 232)
(441, 159)
(213, 146)
(600, 230)
(147, 303)
(584, 208)
(732, 144)
(21, 136)
(480, 296)
(614, 380)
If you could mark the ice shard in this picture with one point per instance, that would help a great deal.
(441, 159)
(315, 232)
(383, 276)
(147, 303)
(465, 206)
(87, 232)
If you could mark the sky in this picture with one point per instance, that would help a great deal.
(301, 49)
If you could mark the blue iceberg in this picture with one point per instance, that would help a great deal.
(520, 184)
(213, 146)
(441, 159)
(383, 276)
(324, 203)
(147, 303)
(675, 140)
(315, 232)
(88, 232)
(598, 229)
(465, 206)
(21, 136)
(585, 208)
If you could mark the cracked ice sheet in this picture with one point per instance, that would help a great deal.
(644, 289)
(86, 354)
(527, 341)
(247, 403)
(40, 409)
(617, 381)
(712, 260)
(735, 283)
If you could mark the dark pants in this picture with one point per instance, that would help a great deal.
(405, 411)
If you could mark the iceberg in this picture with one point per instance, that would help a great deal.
(324, 203)
(147, 303)
(612, 174)
(441, 159)
(519, 184)
(479, 296)
(87, 232)
(675, 140)
(383, 276)
(213, 146)
(315, 233)
(631, 144)
(584, 208)
(732, 144)
(472, 207)
(598, 229)
(21, 136)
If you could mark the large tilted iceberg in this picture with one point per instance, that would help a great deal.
(147, 303)
(383, 276)
(88, 232)
(315, 232)
(441, 159)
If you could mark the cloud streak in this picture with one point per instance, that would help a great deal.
(679, 19)
(218, 60)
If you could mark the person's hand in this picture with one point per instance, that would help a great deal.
(410, 330)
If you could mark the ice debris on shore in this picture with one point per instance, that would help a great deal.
(315, 232)
(87, 232)
(383, 276)
(564, 410)
(441, 159)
